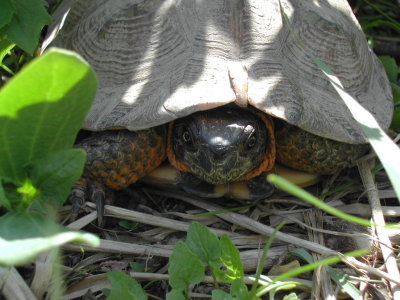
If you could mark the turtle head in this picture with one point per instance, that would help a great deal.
(220, 145)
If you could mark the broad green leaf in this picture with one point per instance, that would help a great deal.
(204, 243)
(392, 70)
(24, 236)
(239, 289)
(23, 225)
(230, 260)
(54, 174)
(42, 108)
(124, 287)
(4, 201)
(27, 22)
(185, 267)
(221, 295)
(7, 10)
(175, 295)
(343, 281)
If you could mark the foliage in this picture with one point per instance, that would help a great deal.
(21, 22)
(203, 251)
(339, 277)
(124, 287)
(24, 236)
(392, 69)
(378, 18)
(41, 110)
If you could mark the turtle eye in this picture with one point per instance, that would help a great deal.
(187, 137)
(251, 142)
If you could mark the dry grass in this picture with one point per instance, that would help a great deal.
(163, 218)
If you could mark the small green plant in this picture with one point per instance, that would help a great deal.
(203, 251)
(21, 22)
(123, 287)
(41, 110)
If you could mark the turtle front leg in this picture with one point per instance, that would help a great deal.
(195, 186)
(255, 188)
(115, 159)
(252, 189)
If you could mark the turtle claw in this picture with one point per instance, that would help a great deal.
(99, 197)
(77, 197)
(259, 187)
(79, 193)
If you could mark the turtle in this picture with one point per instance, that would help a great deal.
(222, 88)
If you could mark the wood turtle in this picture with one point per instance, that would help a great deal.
(231, 81)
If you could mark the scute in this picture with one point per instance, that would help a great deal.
(161, 60)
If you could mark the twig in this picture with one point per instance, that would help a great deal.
(252, 225)
(378, 218)
(13, 286)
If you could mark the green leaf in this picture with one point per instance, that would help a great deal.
(124, 287)
(54, 174)
(137, 267)
(342, 280)
(23, 225)
(221, 295)
(184, 267)
(175, 295)
(239, 289)
(303, 254)
(42, 108)
(27, 22)
(392, 70)
(395, 125)
(24, 236)
(4, 201)
(7, 10)
(128, 225)
(5, 47)
(291, 296)
(204, 243)
(230, 260)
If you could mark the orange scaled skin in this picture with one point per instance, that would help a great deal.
(118, 158)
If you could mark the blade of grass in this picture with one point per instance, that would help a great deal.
(263, 259)
(324, 262)
(387, 151)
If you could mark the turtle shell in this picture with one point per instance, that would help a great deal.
(160, 60)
